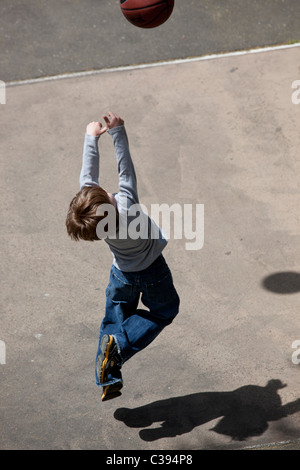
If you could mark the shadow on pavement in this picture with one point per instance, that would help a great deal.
(244, 412)
(283, 282)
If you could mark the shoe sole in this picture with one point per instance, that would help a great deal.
(112, 391)
(109, 343)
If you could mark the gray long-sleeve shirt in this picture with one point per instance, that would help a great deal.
(131, 252)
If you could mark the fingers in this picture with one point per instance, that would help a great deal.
(106, 119)
(103, 130)
(111, 117)
(98, 128)
(111, 121)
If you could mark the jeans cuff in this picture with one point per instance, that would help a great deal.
(109, 382)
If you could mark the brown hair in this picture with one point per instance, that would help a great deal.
(81, 219)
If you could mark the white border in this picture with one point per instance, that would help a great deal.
(149, 65)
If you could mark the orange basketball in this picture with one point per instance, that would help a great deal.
(147, 13)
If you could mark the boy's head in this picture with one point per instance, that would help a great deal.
(81, 219)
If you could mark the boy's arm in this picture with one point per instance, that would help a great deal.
(127, 176)
(126, 171)
(89, 174)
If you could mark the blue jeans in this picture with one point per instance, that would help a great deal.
(133, 328)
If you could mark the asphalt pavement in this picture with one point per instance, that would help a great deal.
(220, 133)
(42, 37)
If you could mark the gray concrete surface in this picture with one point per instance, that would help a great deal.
(42, 37)
(228, 140)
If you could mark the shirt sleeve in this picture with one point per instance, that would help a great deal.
(126, 171)
(89, 175)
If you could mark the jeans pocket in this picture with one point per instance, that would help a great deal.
(119, 290)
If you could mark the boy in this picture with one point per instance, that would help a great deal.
(138, 265)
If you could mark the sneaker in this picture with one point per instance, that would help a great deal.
(111, 391)
(108, 358)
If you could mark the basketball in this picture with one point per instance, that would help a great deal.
(147, 13)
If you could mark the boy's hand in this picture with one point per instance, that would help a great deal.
(112, 120)
(95, 128)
